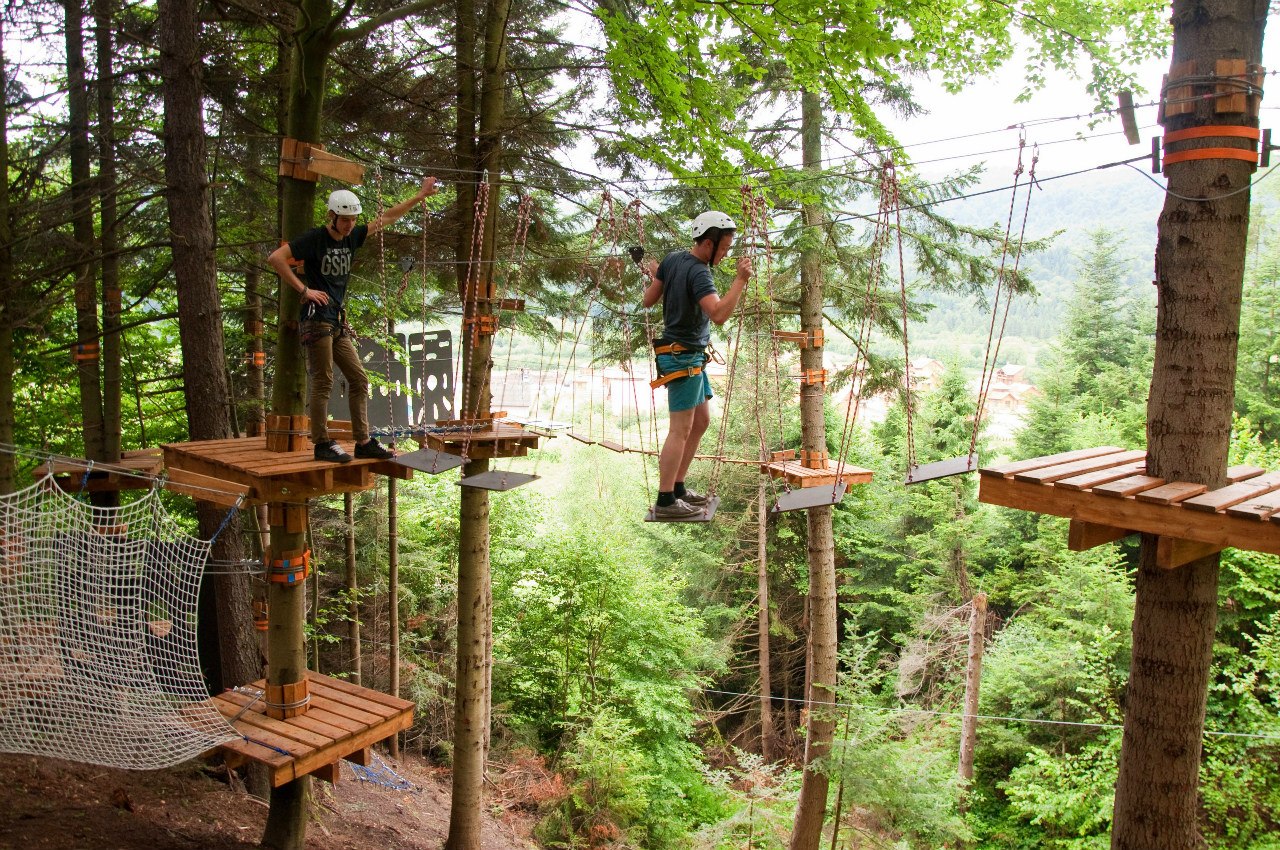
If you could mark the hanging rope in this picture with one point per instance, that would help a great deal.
(991, 357)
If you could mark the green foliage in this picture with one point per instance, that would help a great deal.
(593, 654)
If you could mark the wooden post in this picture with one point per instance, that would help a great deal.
(393, 591)
(353, 612)
(762, 620)
(972, 680)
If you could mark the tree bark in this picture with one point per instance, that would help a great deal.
(475, 598)
(353, 586)
(110, 240)
(811, 807)
(86, 295)
(1200, 254)
(8, 298)
(227, 635)
(393, 594)
(762, 618)
(972, 684)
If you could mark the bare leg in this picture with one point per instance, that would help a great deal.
(674, 448)
(701, 420)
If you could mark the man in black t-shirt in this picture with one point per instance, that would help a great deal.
(326, 254)
(690, 303)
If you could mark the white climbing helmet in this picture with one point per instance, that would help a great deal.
(344, 202)
(710, 219)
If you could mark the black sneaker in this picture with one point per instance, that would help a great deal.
(373, 450)
(332, 452)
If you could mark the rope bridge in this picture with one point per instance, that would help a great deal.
(98, 658)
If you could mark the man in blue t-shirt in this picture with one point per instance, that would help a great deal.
(690, 303)
(326, 254)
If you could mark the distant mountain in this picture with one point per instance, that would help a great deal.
(1118, 200)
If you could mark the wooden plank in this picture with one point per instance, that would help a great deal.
(204, 488)
(1049, 474)
(327, 773)
(366, 694)
(1130, 486)
(1243, 472)
(321, 723)
(341, 709)
(1171, 493)
(362, 757)
(1164, 520)
(1172, 553)
(1101, 476)
(1009, 469)
(1260, 508)
(1082, 535)
(366, 738)
(1234, 494)
(274, 731)
(337, 167)
(355, 700)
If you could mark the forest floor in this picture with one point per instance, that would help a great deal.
(47, 804)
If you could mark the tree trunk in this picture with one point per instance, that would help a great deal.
(110, 240)
(762, 618)
(475, 601)
(811, 808)
(353, 585)
(227, 635)
(87, 371)
(972, 684)
(1200, 254)
(393, 594)
(8, 300)
(255, 414)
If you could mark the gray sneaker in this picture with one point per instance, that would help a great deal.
(693, 497)
(679, 510)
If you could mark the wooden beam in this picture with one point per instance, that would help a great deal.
(337, 167)
(1082, 535)
(1172, 552)
(1164, 520)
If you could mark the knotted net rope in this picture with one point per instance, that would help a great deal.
(98, 657)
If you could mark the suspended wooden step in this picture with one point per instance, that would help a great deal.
(497, 479)
(224, 468)
(813, 470)
(342, 720)
(708, 513)
(484, 437)
(582, 439)
(430, 461)
(942, 469)
(1107, 495)
(612, 446)
(810, 497)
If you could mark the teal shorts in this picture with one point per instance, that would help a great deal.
(685, 393)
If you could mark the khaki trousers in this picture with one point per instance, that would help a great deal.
(323, 351)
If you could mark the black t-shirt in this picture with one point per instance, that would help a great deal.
(326, 267)
(686, 280)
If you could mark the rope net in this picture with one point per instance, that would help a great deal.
(98, 658)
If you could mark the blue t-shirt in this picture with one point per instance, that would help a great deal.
(327, 267)
(686, 280)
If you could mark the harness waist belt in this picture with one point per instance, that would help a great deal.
(664, 347)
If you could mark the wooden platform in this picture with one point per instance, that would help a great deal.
(501, 439)
(344, 720)
(1107, 495)
(134, 471)
(798, 475)
(220, 470)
